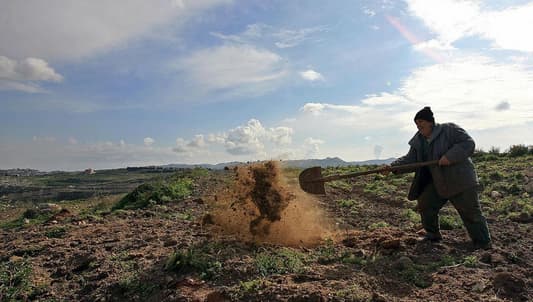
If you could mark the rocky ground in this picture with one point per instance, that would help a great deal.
(176, 252)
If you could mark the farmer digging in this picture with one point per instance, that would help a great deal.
(453, 179)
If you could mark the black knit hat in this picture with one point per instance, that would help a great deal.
(425, 114)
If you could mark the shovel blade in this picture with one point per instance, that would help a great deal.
(311, 181)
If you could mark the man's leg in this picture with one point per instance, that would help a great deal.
(467, 204)
(429, 205)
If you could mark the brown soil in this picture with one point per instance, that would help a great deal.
(122, 256)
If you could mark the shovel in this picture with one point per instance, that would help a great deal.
(311, 180)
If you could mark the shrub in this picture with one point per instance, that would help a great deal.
(518, 150)
(157, 192)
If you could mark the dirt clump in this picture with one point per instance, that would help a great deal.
(261, 206)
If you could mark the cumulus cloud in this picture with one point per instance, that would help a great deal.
(232, 67)
(53, 30)
(195, 145)
(246, 139)
(251, 138)
(148, 141)
(21, 75)
(452, 20)
(281, 135)
(311, 75)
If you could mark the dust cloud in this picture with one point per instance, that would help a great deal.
(262, 205)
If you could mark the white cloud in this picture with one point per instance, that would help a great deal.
(311, 75)
(369, 12)
(148, 141)
(470, 89)
(280, 135)
(197, 142)
(452, 20)
(292, 38)
(319, 108)
(474, 91)
(313, 108)
(232, 67)
(73, 29)
(246, 139)
(312, 146)
(21, 75)
(280, 37)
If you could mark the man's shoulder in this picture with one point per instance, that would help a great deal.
(448, 126)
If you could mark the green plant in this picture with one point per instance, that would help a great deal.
(518, 150)
(251, 285)
(412, 216)
(56, 232)
(159, 192)
(194, 259)
(346, 203)
(327, 253)
(29, 217)
(15, 284)
(416, 274)
(284, 260)
(353, 293)
(378, 225)
(350, 258)
(450, 222)
(470, 261)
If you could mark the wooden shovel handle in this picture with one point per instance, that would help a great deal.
(389, 168)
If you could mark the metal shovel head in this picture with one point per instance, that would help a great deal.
(311, 181)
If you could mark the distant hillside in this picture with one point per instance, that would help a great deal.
(299, 163)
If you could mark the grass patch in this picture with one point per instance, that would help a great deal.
(412, 216)
(194, 259)
(353, 292)
(31, 216)
(282, 261)
(15, 283)
(378, 225)
(158, 193)
(56, 232)
(450, 222)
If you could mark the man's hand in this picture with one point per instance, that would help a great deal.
(443, 161)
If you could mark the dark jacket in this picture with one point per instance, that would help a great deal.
(446, 139)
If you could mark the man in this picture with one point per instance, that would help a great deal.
(453, 179)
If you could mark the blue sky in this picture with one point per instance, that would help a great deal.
(112, 84)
